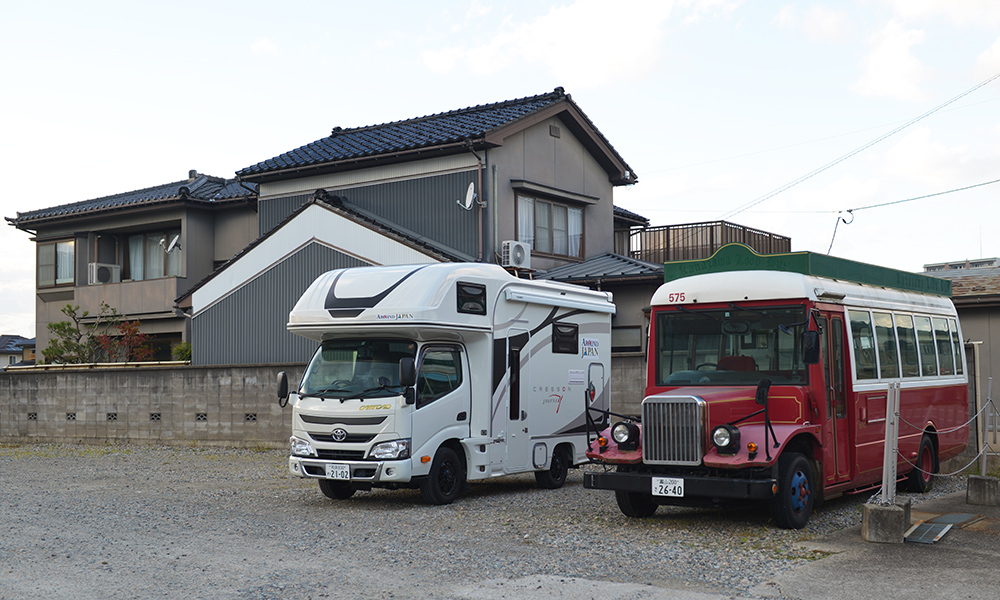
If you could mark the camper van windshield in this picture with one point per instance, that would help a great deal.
(734, 346)
(355, 368)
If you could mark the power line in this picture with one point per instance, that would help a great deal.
(815, 172)
(962, 189)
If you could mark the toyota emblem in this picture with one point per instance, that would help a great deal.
(339, 434)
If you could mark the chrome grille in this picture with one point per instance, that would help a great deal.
(673, 430)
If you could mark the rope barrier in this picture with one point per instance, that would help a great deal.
(986, 405)
(959, 472)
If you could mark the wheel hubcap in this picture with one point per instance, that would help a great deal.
(800, 491)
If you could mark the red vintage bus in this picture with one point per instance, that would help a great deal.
(768, 379)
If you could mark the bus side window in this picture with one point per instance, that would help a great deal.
(864, 344)
(907, 346)
(956, 343)
(886, 337)
(943, 340)
(925, 341)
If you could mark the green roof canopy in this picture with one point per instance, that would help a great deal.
(738, 257)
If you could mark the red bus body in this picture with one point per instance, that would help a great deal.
(714, 336)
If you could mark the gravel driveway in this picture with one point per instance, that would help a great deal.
(113, 522)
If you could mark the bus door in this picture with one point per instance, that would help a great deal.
(836, 400)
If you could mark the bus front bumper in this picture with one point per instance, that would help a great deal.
(706, 488)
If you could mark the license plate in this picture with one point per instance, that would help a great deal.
(668, 486)
(338, 472)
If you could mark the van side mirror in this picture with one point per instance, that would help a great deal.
(810, 347)
(282, 389)
(408, 377)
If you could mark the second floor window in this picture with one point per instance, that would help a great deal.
(55, 263)
(550, 227)
(145, 257)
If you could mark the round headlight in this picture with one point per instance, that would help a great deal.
(726, 439)
(620, 432)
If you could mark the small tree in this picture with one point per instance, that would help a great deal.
(74, 341)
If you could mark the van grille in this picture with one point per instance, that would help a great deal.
(673, 430)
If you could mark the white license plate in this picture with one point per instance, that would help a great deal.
(338, 472)
(668, 486)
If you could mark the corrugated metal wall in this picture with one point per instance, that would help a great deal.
(426, 206)
(248, 326)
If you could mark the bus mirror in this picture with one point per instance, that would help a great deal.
(407, 372)
(810, 347)
(763, 388)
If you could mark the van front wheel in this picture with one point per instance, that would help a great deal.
(445, 481)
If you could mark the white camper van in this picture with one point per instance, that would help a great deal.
(433, 375)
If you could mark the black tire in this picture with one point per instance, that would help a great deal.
(921, 479)
(445, 481)
(555, 476)
(336, 490)
(793, 504)
(637, 505)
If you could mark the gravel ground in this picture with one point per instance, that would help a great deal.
(115, 522)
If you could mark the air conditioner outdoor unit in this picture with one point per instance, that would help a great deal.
(100, 273)
(515, 254)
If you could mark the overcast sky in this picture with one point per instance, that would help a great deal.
(716, 104)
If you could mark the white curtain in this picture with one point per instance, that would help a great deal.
(64, 262)
(135, 260)
(526, 220)
(154, 256)
(174, 258)
(575, 227)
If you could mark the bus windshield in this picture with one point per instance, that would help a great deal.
(732, 346)
(356, 368)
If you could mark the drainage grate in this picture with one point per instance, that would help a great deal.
(960, 520)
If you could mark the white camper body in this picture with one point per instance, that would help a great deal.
(505, 369)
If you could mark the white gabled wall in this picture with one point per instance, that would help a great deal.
(314, 224)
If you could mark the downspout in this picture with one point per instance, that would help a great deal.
(493, 200)
(479, 203)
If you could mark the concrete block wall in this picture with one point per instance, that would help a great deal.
(169, 405)
(628, 383)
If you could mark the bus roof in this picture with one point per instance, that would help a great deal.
(738, 257)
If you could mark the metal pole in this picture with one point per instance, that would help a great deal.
(891, 445)
(987, 413)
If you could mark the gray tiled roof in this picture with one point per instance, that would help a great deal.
(983, 281)
(11, 344)
(621, 213)
(606, 267)
(433, 131)
(200, 188)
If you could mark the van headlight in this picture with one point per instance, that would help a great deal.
(393, 450)
(301, 447)
(726, 439)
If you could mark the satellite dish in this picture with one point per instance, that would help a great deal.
(174, 243)
(470, 197)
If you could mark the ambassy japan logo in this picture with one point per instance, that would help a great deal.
(393, 316)
(589, 347)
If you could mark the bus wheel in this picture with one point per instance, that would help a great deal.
(635, 504)
(555, 476)
(445, 481)
(921, 478)
(793, 504)
(336, 490)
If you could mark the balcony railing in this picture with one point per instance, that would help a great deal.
(694, 241)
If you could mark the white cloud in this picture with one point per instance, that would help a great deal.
(587, 43)
(890, 69)
(960, 12)
(698, 10)
(918, 158)
(265, 46)
(988, 63)
(818, 22)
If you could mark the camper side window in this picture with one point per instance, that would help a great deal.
(471, 298)
(565, 338)
(440, 374)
